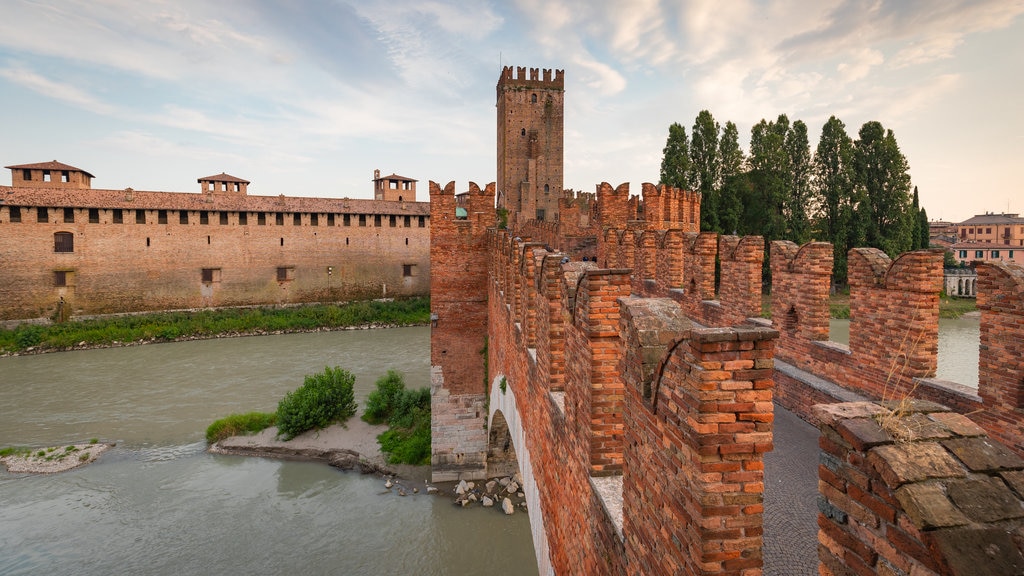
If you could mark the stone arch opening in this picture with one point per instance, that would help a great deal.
(501, 454)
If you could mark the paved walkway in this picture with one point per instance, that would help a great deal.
(791, 498)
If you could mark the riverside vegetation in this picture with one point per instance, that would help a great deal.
(184, 325)
(327, 398)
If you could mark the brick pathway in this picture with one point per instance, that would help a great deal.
(790, 500)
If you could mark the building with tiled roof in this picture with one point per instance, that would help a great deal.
(101, 251)
(991, 228)
(393, 188)
(49, 174)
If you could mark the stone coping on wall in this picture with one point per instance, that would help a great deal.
(927, 481)
(818, 383)
(609, 492)
(950, 387)
(558, 399)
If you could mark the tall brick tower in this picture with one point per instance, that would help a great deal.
(530, 136)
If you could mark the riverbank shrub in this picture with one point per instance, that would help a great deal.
(323, 399)
(168, 326)
(407, 413)
(382, 401)
(238, 424)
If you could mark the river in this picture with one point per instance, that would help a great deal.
(959, 339)
(159, 504)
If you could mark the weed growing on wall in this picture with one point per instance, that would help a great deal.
(323, 399)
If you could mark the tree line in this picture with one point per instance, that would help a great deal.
(852, 193)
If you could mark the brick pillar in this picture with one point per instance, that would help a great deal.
(739, 291)
(693, 485)
(698, 270)
(593, 383)
(894, 312)
(458, 300)
(1001, 357)
(528, 271)
(670, 261)
(655, 204)
(801, 278)
(613, 206)
(551, 325)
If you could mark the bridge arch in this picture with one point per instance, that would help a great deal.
(504, 429)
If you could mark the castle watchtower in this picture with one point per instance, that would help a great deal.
(393, 188)
(49, 175)
(530, 142)
(223, 183)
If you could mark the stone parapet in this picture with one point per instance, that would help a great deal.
(911, 488)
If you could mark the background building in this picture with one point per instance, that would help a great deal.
(104, 251)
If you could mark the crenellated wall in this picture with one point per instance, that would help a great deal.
(602, 381)
(645, 393)
(893, 350)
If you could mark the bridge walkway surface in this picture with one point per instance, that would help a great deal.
(790, 498)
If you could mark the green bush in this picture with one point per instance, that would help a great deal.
(407, 412)
(408, 445)
(323, 399)
(382, 401)
(237, 424)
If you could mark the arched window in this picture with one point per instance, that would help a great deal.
(533, 98)
(63, 242)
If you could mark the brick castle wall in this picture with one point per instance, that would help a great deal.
(251, 259)
(592, 423)
(893, 346)
(458, 337)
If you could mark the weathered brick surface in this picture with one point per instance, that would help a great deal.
(697, 425)
(157, 265)
(939, 504)
(530, 142)
(458, 301)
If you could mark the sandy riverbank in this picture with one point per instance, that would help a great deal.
(349, 446)
(54, 459)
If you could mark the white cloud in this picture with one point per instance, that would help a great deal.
(62, 91)
(858, 64)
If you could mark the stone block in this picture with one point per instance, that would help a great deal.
(899, 464)
(863, 433)
(927, 506)
(985, 499)
(984, 454)
(958, 423)
(830, 414)
(979, 552)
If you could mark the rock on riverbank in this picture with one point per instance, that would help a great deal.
(54, 459)
(503, 491)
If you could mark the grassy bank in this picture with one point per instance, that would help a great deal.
(169, 326)
(839, 306)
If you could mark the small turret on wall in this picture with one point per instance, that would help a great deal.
(49, 175)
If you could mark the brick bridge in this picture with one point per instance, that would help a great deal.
(595, 356)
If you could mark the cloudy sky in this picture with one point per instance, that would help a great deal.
(308, 97)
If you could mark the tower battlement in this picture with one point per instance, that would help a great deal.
(537, 78)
